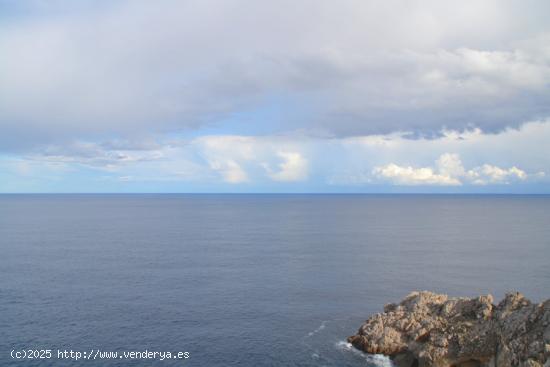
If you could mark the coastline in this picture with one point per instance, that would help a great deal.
(427, 329)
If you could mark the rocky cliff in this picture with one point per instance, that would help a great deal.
(428, 329)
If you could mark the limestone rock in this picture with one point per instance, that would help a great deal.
(427, 329)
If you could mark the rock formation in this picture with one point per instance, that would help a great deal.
(428, 329)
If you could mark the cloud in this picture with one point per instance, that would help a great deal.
(516, 159)
(234, 156)
(450, 172)
(130, 68)
(227, 155)
(450, 165)
(488, 174)
(413, 176)
(293, 168)
(108, 155)
(230, 170)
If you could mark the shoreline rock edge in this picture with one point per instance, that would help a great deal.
(434, 330)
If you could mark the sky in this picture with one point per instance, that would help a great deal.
(283, 96)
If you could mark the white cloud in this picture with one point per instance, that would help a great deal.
(293, 168)
(488, 174)
(450, 171)
(413, 176)
(450, 165)
(236, 156)
(230, 171)
(226, 155)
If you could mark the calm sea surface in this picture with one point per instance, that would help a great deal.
(248, 280)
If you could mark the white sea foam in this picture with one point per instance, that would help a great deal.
(376, 359)
(321, 327)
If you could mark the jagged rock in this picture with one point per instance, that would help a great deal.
(427, 329)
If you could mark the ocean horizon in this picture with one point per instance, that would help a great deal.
(248, 280)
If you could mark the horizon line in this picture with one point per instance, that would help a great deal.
(279, 193)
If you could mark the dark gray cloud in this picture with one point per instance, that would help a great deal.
(132, 68)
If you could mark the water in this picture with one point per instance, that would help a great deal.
(248, 280)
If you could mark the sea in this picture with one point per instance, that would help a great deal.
(245, 280)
